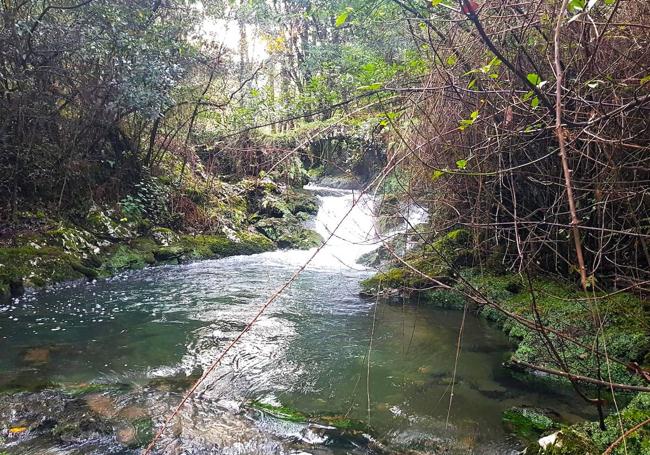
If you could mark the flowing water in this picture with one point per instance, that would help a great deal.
(309, 352)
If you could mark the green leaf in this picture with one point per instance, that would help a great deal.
(436, 2)
(534, 79)
(610, 2)
(461, 164)
(534, 103)
(465, 123)
(437, 174)
(645, 79)
(451, 60)
(471, 84)
(343, 17)
(576, 6)
(374, 86)
(528, 95)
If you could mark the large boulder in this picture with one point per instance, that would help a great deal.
(103, 226)
(288, 232)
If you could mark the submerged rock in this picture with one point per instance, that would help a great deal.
(37, 356)
(101, 405)
(137, 433)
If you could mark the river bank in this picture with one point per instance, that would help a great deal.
(502, 297)
(256, 216)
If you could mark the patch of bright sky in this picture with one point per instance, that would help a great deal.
(227, 31)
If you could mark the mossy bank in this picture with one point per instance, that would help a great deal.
(562, 307)
(260, 216)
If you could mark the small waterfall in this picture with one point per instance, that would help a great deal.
(355, 236)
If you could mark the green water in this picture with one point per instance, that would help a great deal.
(309, 351)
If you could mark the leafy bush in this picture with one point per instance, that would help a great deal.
(150, 201)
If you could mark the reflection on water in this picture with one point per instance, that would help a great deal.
(308, 351)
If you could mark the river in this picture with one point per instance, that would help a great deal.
(309, 352)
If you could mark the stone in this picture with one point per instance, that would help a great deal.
(101, 405)
(528, 423)
(37, 356)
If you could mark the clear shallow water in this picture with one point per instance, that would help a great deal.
(309, 350)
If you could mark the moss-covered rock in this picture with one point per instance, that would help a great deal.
(288, 232)
(300, 201)
(128, 257)
(253, 243)
(565, 442)
(169, 253)
(35, 265)
(74, 241)
(527, 423)
(562, 307)
(217, 246)
(434, 259)
(164, 236)
(280, 412)
(103, 226)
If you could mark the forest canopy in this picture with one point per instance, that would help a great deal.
(97, 95)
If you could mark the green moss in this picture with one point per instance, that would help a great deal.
(143, 431)
(392, 278)
(72, 240)
(253, 242)
(144, 245)
(433, 260)
(567, 442)
(164, 236)
(563, 307)
(288, 232)
(200, 246)
(211, 246)
(343, 423)
(527, 423)
(36, 265)
(88, 272)
(300, 201)
(169, 253)
(302, 239)
(126, 257)
(281, 412)
(103, 226)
